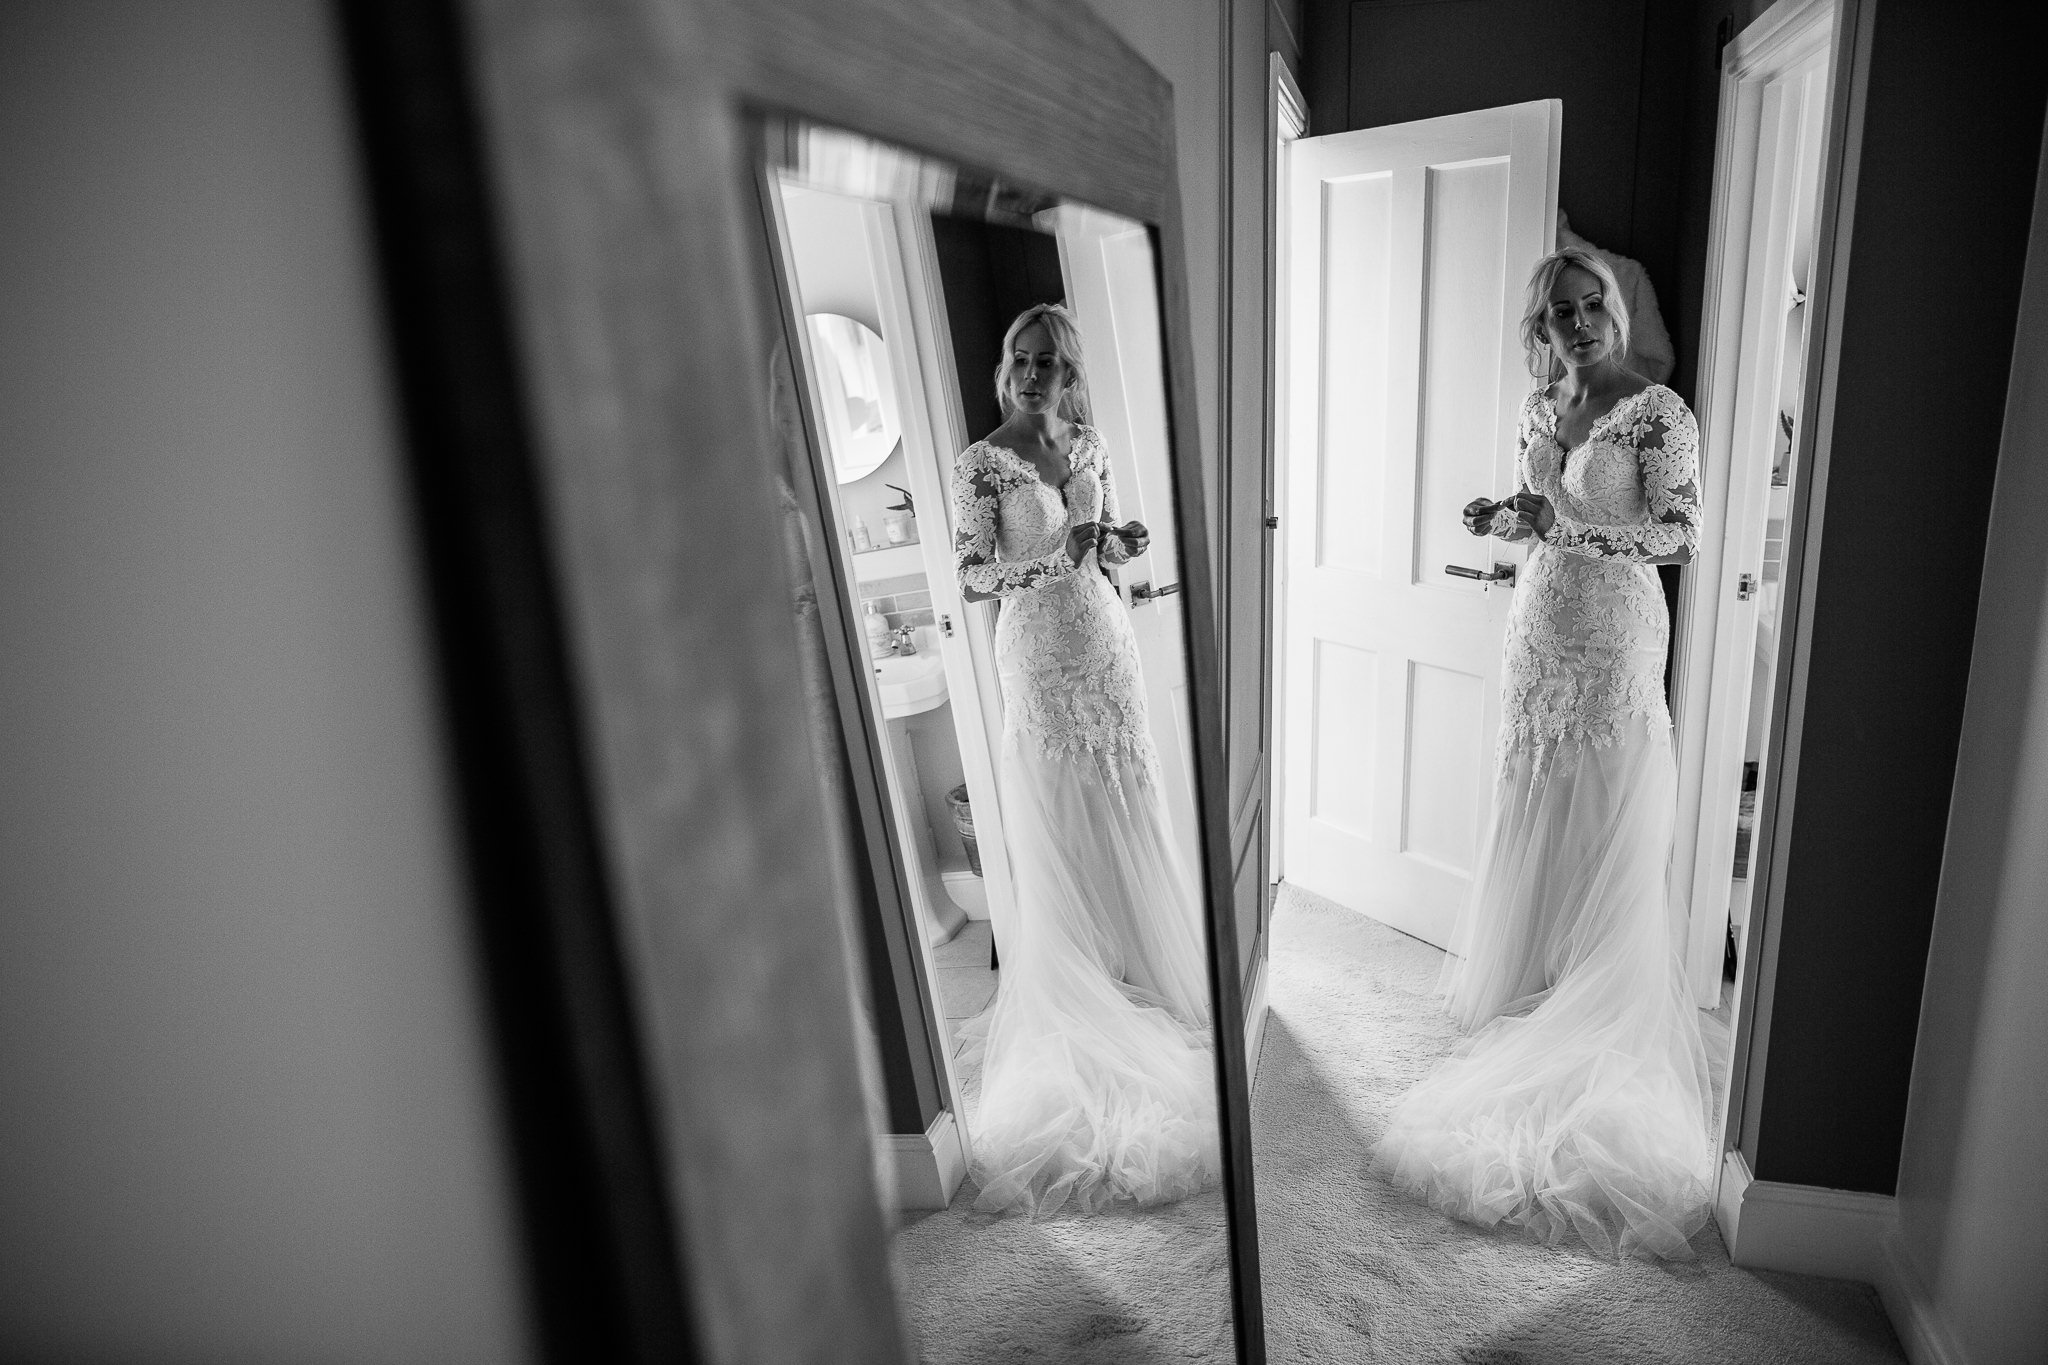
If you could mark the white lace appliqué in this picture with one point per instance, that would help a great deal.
(1588, 631)
(1071, 685)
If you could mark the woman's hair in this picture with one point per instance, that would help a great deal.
(1535, 341)
(1066, 347)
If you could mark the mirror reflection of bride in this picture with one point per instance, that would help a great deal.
(1097, 1074)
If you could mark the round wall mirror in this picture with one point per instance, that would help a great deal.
(856, 394)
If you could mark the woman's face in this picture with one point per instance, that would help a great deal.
(1580, 328)
(1036, 378)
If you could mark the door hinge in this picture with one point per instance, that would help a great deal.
(1272, 523)
(1745, 587)
(946, 627)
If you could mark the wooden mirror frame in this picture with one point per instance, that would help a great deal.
(563, 206)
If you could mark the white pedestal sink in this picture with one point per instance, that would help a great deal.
(911, 683)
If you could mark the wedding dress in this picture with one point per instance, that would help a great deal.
(1582, 1103)
(1098, 1079)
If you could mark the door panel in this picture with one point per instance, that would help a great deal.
(1355, 371)
(1443, 803)
(1466, 309)
(1407, 254)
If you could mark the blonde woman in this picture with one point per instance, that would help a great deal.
(1580, 1104)
(1097, 1079)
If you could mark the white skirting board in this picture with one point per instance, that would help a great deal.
(1843, 1234)
(929, 1165)
(1254, 1024)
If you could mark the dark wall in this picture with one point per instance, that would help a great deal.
(1951, 141)
(990, 273)
(1638, 80)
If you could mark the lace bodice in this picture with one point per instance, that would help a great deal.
(1011, 525)
(1064, 647)
(1588, 632)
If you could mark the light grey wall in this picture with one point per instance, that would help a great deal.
(1972, 1182)
(246, 1111)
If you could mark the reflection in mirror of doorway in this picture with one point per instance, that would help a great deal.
(1013, 708)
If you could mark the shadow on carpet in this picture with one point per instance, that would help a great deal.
(1130, 1285)
(1356, 1271)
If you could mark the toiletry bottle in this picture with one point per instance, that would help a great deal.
(861, 539)
(881, 641)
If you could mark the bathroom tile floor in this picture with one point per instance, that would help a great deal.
(965, 983)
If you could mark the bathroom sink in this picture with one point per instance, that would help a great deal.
(910, 683)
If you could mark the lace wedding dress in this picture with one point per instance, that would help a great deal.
(1097, 1079)
(1582, 1103)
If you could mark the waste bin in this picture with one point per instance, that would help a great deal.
(963, 821)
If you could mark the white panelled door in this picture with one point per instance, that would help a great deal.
(1408, 249)
(1110, 278)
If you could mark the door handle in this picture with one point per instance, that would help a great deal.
(1145, 592)
(1502, 573)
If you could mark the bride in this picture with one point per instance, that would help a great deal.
(1581, 1104)
(1097, 1079)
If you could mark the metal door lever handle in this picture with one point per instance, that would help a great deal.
(1502, 573)
(1145, 592)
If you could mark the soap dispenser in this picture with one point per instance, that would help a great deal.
(881, 640)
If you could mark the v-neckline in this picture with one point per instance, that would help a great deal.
(1043, 482)
(1591, 431)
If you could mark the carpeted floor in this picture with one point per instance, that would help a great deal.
(1130, 1286)
(1354, 1272)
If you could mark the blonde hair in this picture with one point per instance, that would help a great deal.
(1535, 340)
(1066, 348)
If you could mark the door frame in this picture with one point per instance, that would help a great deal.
(1287, 121)
(1853, 22)
(1787, 35)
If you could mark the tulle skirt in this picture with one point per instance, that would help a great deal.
(1098, 1079)
(1582, 1103)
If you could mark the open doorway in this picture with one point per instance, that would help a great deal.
(1405, 250)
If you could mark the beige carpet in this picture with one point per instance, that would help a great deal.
(1127, 1286)
(1354, 1272)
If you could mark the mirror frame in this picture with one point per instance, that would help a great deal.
(561, 191)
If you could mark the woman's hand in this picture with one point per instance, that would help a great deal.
(1535, 511)
(1478, 516)
(1081, 539)
(1133, 534)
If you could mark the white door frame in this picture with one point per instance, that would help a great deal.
(1287, 111)
(1286, 121)
(1712, 671)
(1813, 450)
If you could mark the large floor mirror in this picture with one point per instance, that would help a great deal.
(810, 429)
(972, 391)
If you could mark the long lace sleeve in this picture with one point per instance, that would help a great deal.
(977, 500)
(1110, 549)
(1667, 445)
(1524, 479)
